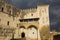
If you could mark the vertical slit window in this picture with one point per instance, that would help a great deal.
(2, 9)
(8, 23)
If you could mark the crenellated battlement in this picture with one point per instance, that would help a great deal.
(13, 11)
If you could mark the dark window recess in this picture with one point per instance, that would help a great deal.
(0, 27)
(35, 19)
(8, 23)
(31, 14)
(30, 19)
(33, 32)
(25, 20)
(21, 20)
(2, 9)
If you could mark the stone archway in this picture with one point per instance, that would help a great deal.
(32, 26)
(22, 31)
(22, 27)
(32, 30)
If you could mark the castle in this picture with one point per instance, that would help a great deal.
(27, 24)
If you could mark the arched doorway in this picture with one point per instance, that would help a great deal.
(22, 31)
(22, 35)
(56, 37)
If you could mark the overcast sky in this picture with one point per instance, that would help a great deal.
(54, 9)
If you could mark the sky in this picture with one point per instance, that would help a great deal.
(54, 9)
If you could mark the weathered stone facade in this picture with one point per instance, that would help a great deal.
(31, 24)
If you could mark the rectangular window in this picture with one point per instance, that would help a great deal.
(25, 20)
(2, 9)
(36, 19)
(8, 23)
(30, 19)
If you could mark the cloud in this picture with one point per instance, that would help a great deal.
(24, 3)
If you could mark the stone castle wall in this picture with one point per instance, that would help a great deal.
(10, 17)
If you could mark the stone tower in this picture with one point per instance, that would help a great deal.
(35, 22)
